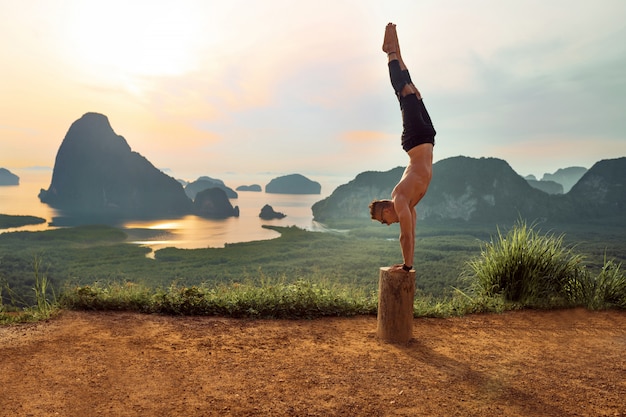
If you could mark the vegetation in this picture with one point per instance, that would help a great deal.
(7, 221)
(44, 307)
(271, 299)
(536, 270)
(606, 290)
(303, 274)
(84, 255)
(525, 266)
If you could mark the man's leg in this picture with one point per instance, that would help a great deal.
(417, 125)
(399, 74)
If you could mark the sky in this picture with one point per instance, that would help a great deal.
(241, 88)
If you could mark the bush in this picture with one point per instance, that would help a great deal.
(272, 299)
(526, 267)
(607, 290)
(300, 299)
(535, 270)
(116, 296)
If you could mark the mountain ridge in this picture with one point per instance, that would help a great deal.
(97, 172)
(8, 178)
(486, 190)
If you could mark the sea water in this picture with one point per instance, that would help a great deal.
(185, 232)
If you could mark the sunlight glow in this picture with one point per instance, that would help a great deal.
(137, 38)
(158, 225)
(359, 136)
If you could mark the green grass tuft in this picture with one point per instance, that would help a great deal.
(524, 266)
(604, 291)
(44, 307)
(271, 299)
(534, 270)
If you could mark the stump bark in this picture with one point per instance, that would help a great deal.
(396, 291)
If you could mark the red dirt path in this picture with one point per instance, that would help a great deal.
(527, 363)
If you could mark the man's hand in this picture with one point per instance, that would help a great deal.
(397, 268)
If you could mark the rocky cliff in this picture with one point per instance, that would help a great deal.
(567, 177)
(293, 184)
(254, 188)
(484, 190)
(268, 213)
(547, 186)
(214, 203)
(96, 172)
(204, 183)
(351, 200)
(8, 178)
(601, 192)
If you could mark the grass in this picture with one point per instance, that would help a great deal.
(272, 299)
(84, 255)
(44, 306)
(42, 310)
(532, 269)
(606, 290)
(524, 266)
(7, 221)
(518, 269)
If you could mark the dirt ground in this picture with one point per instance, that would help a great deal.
(526, 363)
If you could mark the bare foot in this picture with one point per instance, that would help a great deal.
(390, 43)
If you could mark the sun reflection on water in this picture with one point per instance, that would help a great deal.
(186, 232)
(194, 232)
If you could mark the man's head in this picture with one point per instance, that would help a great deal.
(383, 211)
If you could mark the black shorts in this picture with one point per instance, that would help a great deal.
(416, 123)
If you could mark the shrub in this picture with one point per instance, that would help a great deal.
(526, 267)
(606, 290)
(272, 299)
(125, 296)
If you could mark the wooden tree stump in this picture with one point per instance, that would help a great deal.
(396, 291)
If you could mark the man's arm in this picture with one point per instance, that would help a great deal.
(406, 218)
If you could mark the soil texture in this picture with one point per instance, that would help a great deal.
(523, 363)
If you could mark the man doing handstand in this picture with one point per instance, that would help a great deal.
(418, 139)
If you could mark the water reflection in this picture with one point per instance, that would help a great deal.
(187, 232)
(192, 232)
(22, 200)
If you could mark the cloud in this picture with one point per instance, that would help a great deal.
(547, 154)
(312, 91)
(363, 136)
